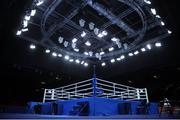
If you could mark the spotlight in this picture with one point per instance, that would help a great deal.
(112, 60)
(60, 39)
(102, 53)
(162, 23)
(77, 50)
(83, 34)
(149, 46)
(169, 32)
(122, 57)
(100, 35)
(130, 54)
(136, 52)
(32, 46)
(25, 30)
(71, 60)
(104, 33)
(114, 39)
(77, 61)
(158, 16)
(25, 23)
(74, 40)
(147, 1)
(88, 43)
(59, 55)
(66, 57)
(18, 32)
(143, 49)
(82, 22)
(73, 45)
(118, 59)
(47, 51)
(86, 64)
(82, 62)
(158, 44)
(111, 49)
(96, 31)
(153, 10)
(40, 2)
(86, 53)
(125, 46)
(90, 53)
(27, 18)
(91, 25)
(103, 64)
(33, 12)
(54, 54)
(66, 43)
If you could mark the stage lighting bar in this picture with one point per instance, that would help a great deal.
(32, 46)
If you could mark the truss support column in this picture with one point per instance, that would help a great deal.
(44, 97)
(138, 94)
(114, 87)
(52, 94)
(147, 99)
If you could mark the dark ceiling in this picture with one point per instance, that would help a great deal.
(25, 72)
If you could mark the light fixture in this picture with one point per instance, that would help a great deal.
(100, 35)
(54, 54)
(158, 16)
(102, 53)
(153, 10)
(147, 1)
(122, 57)
(136, 52)
(77, 61)
(33, 12)
(90, 53)
(71, 60)
(74, 40)
(162, 23)
(59, 55)
(25, 30)
(32, 46)
(125, 46)
(88, 43)
(82, 62)
(66, 57)
(103, 64)
(148, 46)
(18, 32)
(66, 43)
(86, 53)
(158, 44)
(82, 22)
(169, 32)
(86, 64)
(143, 49)
(112, 60)
(118, 59)
(40, 2)
(60, 39)
(25, 23)
(76, 49)
(47, 51)
(111, 49)
(83, 34)
(104, 33)
(130, 54)
(91, 25)
(27, 17)
(96, 31)
(114, 39)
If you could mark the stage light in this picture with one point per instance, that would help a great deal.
(54, 54)
(66, 43)
(158, 44)
(118, 59)
(82, 22)
(112, 60)
(125, 46)
(130, 54)
(114, 39)
(136, 52)
(83, 34)
(147, 1)
(90, 53)
(91, 25)
(96, 31)
(25, 23)
(74, 40)
(27, 18)
(169, 32)
(104, 33)
(162, 23)
(25, 30)
(82, 62)
(102, 53)
(40, 2)
(158, 16)
(86, 53)
(100, 35)
(32, 46)
(71, 60)
(143, 49)
(33, 12)
(153, 10)
(111, 49)
(60, 39)
(77, 61)
(66, 57)
(88, 43)
(59, 55)
(77, 50)
(47, 51)
(103, 64)
(122, 57)
(149, 46)
(18, 32)
(86, 64)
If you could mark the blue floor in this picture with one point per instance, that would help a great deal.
(34, 116)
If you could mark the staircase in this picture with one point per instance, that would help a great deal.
(80, 109)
